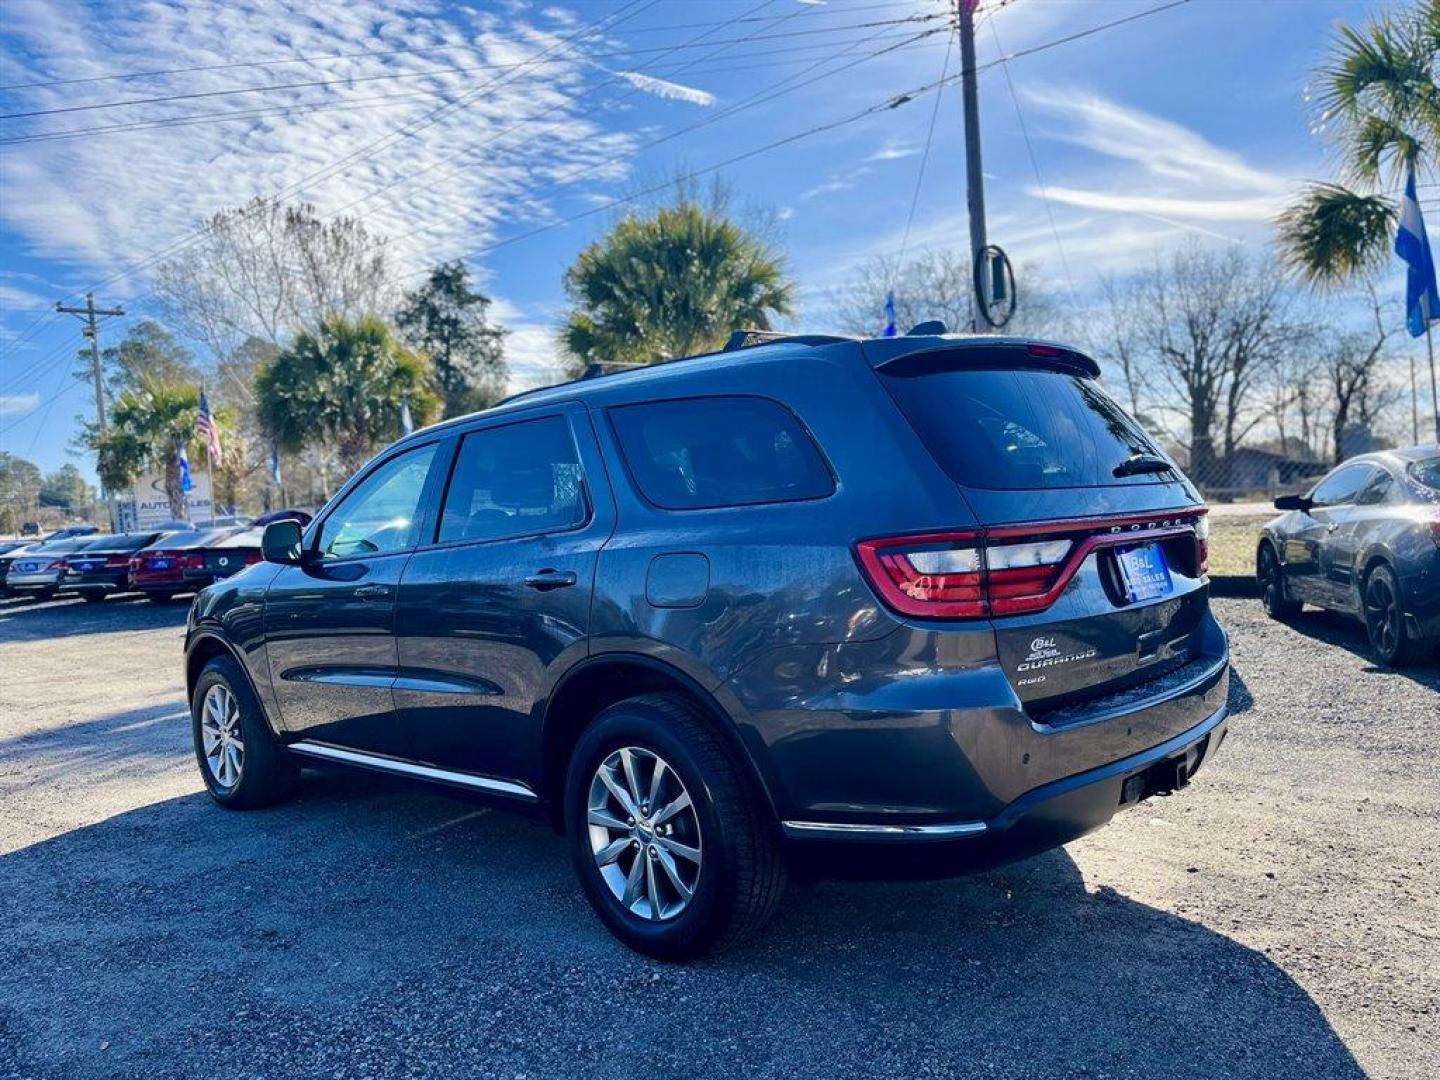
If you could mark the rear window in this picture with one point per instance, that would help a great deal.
(1019, 429)
(122, 542)
(704, 453)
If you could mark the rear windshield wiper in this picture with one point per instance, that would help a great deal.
(1141, 463)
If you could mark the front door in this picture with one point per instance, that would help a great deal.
(1309, 558)
(499, 603)
(330, 622)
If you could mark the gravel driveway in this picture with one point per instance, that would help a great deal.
(1280, 918)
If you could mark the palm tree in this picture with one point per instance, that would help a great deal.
(671, 284)
(1380, 101)
(345, 384)
(149, 422)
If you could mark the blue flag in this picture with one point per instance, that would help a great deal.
(1422, 302)
(186, 484)
(889, 330)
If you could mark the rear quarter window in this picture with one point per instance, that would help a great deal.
(706, 453)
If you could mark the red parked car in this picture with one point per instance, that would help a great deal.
(187, 562)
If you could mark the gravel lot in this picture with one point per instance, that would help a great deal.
(1280, 918)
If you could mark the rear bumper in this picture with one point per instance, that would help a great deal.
(114, 582)
(30, 582)
(1039, 820)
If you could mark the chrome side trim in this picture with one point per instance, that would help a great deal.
(512, 788)
(842, 830)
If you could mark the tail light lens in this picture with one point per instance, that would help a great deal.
(959, 576)
(135, 563)
(252, 557)
(1202, 543)
(60, 565)
(1008, 570)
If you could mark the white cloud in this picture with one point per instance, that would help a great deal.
(15, 300)
(664, 88)
(894, 151)
(504, 144)
(18, 403)
(1164, 168)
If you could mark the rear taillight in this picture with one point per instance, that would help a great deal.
(252, 557)
(59, 564)
(1007, 570)
(1202, 543)
(118, 560)
(959, 576)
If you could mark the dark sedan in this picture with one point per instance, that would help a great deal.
(102, 567)
(187, 562)
(1364, 541)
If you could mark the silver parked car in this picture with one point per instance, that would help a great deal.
(1364, 541)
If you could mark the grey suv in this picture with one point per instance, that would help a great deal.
(896, 607)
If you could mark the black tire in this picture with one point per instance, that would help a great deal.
(1391, 643)
(267, 773)
(1271, 582)
(741, 875)
(92, 596)
(160, 597)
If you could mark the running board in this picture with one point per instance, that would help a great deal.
(512, 788)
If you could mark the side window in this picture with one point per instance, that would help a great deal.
(516, 480)
(380, 515)
(702, 453)
(1341, 487)
(1377, 491)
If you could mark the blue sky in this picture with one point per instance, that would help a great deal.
(1190, 122)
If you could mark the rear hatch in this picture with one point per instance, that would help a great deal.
(1089, 560)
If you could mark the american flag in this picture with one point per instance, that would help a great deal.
(205, 425)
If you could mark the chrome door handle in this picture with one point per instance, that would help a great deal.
(545, 580)
(373, 592)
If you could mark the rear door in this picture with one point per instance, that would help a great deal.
(1088, 546)
(499, 601)
(329, 622)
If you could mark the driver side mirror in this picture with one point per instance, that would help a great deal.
(1293, 502)
(280, 543)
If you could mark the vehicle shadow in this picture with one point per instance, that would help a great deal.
(25, 619)
(1347, 633)
(368, 928)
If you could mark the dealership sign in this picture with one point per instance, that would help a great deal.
(149, 506)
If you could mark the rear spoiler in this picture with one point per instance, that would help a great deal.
(982, 354)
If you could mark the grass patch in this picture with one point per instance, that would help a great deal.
(1232, 543)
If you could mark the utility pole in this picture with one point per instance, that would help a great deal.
(91, 316)
(974, 175)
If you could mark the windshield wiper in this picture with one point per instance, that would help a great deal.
(1141, 463)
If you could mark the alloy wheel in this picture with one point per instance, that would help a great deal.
(1382, 615)
(1269, 580)
(220, 736)
(644, 833)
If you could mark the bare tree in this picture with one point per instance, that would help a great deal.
(937, 285)
(267, 271)
(1213, 326)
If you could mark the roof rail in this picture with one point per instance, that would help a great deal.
(746, 339)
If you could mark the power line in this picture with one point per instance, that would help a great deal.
(372, 53)
(925, 155)
(616, 17)
(760, 97)
(1035, 165)
(820, 129)
(352, 80)
(379, 101)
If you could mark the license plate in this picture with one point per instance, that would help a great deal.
(1143, 572)
(85, 566)
(160, 564)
